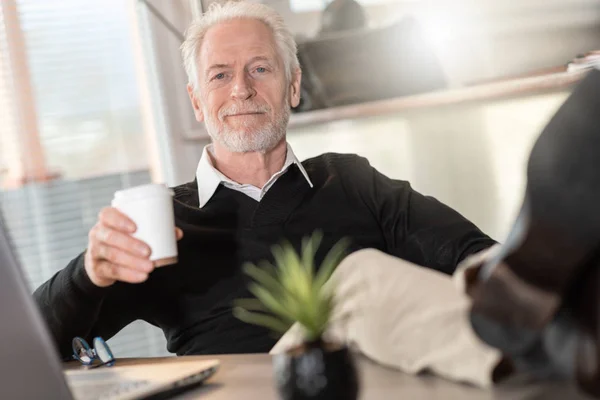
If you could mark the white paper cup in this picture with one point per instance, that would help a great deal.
(151, 208)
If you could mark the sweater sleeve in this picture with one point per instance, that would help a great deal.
(73, 306)
(419, 228)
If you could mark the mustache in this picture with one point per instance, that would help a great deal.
(242, 109)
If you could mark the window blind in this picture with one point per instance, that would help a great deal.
(82, 71)
(7, 112)
(88, 112)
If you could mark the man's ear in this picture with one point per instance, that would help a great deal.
(295, 87)
(195, 103)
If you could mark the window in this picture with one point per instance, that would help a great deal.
(86, 105)
(84, 85)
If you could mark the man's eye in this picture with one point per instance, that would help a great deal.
(219, 76)
(261, 69)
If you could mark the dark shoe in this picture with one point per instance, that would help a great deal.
(538, 301)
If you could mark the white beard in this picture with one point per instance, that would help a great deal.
(260, 139)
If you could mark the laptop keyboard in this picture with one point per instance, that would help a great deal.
(106, 390)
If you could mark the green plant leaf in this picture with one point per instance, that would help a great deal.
(293, 276)
(250, 305)
(331, 261)
(267, 266)
(270, 302)
(309, 250)
(267, 321)
(291, 289)
(264, 277)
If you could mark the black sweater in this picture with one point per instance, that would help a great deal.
(192, 301)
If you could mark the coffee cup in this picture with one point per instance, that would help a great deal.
(150, 207)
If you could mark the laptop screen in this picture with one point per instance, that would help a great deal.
(31, 368)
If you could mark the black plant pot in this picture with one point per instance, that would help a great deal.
(315, 373)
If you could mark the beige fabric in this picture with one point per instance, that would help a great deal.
(472, 261)
(405, 316)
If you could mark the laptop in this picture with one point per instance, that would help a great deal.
(30, 364)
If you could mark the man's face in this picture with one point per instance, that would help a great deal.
(243, 95)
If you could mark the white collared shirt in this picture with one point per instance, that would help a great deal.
(209, 178)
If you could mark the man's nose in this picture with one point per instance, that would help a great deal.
(242, 87)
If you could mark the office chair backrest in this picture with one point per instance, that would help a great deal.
(368, 64)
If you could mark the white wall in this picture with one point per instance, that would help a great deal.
(475, 40)
(172, 116)
(471, 157)
(483, 39)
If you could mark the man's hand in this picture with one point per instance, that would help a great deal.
(113, 254)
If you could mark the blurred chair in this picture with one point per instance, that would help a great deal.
(367, 64)
(342, 15)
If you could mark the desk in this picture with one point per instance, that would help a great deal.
(249, 377)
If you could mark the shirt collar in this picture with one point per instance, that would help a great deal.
(209, 178)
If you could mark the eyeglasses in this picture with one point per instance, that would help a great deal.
(87, 355)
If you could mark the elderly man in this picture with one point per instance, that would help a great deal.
(251, 192)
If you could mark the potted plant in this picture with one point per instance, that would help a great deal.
(295, 291)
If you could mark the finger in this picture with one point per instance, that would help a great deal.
(178, 233)
(121, 273)
(117, 256)
(121, 241)
(115, 219)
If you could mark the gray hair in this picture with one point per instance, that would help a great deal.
(222, 12)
